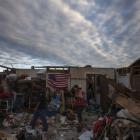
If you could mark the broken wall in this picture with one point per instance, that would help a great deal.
(78, 75)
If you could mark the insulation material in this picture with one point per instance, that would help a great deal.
(87, 135)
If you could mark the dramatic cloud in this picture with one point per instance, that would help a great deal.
(102, 33)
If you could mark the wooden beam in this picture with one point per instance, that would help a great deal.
(5, 67)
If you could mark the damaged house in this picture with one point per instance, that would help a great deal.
(130, 77)
(120, 87)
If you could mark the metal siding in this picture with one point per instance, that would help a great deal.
(136, 82)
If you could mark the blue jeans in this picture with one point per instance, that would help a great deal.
(88, 99)
(79, 110)
(41, 113)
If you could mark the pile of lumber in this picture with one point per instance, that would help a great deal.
(120, 88)
(125, 98)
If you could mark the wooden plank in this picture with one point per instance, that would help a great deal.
(127, 103)
(63, 101)
(2, 134)
(7, 135)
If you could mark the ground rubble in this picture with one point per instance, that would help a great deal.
(16, 127)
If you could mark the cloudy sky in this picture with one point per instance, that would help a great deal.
(102, 33)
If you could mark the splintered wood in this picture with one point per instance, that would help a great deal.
(129, 104)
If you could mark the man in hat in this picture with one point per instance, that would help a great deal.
(79, 102)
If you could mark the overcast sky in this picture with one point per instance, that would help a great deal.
(102, 33)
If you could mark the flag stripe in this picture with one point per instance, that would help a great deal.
(58, 85)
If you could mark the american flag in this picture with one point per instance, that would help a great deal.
(58, 80)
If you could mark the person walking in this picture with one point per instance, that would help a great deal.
(80, 103)
(41, 111)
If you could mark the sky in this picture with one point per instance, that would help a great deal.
(101, 33)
